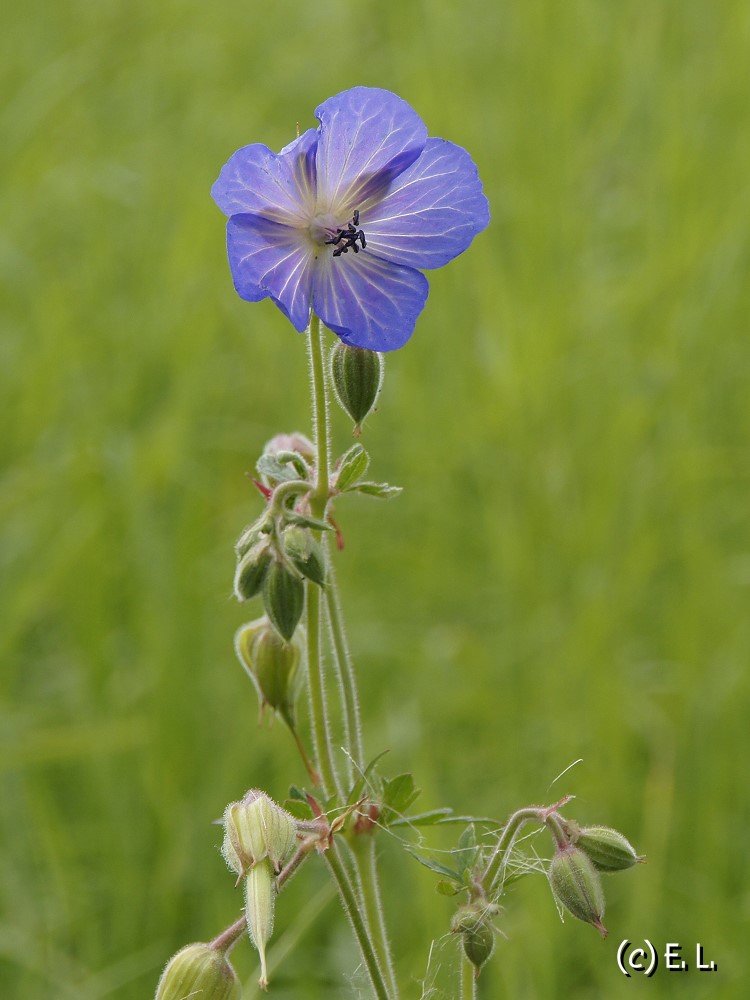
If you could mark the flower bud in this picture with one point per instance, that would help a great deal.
(273, 665)
(260, 898)
(250, 535)
(607, 849)
(473, 923)
(251, 571)
(305, 553)
(479, 944)
(291, 442)
(198, 970)
(283, 599)
(357, 376)
(577, 886)
(256, 828)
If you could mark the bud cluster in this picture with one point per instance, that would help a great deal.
(278, 552)
(582, 853)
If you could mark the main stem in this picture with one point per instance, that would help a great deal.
(361, 896)
(318, 502)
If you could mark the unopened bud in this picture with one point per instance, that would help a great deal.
(250, 535)
(608, 849)
(260, 898)
(291, 442)
(254, 829)
(357, 376)
(198, 970)
(577, 886)
(305, 553)
(283, 599)
(473, 923)
(273, 665)
(251, 571)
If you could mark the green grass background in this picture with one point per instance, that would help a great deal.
(566, 575)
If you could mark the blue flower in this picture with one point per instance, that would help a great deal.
(345, 218)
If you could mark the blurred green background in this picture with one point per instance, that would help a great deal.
(566, 575)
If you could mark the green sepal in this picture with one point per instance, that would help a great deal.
(608, 849)
(283, 599)
(305, 553)
(357, 375)
(273, 665)
(304, 521)
(576, 885)
(250, 535)
(251, 571)
(199, 970)
(479, 943)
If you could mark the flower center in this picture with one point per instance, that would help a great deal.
(351, 237)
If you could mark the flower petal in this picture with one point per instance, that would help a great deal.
(367, 301)
(431, 212)
(367, 137)
(269, 259)
(280, 186)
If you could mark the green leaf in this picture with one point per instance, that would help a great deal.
(270, 466)
(446, 888)
(380, 490)
(359, 786)
(297, 803)
(466, 855)
(300, 810)
(352, 465)
(398, 794)
(435, 866)
(430, 818)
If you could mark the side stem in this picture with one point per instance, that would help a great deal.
(357, 920)
(365, 859)
(469, 984)
(347, 676)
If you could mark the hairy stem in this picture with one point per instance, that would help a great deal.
(347, 677)
(360, 896)
(469, 983)
(357, 920)
(367, 866)
(318, 504)
(495, 873)
(498, 862)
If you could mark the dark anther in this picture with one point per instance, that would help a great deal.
(346, 239)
